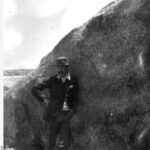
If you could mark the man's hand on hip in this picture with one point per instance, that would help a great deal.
(46, 101)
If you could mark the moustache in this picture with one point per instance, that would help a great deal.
(61, 72)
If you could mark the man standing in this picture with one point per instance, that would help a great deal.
(63, 88)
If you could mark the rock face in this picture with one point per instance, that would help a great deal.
(110, 54)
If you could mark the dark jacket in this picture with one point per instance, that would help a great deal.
(58, 92)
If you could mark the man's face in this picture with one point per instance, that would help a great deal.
(63, 70)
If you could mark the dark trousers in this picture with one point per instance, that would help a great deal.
(62, 129)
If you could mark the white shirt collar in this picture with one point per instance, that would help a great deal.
(68, 76)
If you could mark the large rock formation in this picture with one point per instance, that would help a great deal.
(110, 54)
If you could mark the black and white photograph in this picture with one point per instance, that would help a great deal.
(76, 75)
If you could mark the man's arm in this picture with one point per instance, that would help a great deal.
(38, 87)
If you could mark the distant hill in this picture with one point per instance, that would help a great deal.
(11, 77)
(10, 81)
(17, 72)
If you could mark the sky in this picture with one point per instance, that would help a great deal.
(32, 28)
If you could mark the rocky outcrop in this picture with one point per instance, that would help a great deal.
(110, 56)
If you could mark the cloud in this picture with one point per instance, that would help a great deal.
(45, 8)
(40, 35)
(12, 38)
(28, 37)
(9, 9)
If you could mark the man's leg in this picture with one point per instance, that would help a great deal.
(65, 136)
(51, 135)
